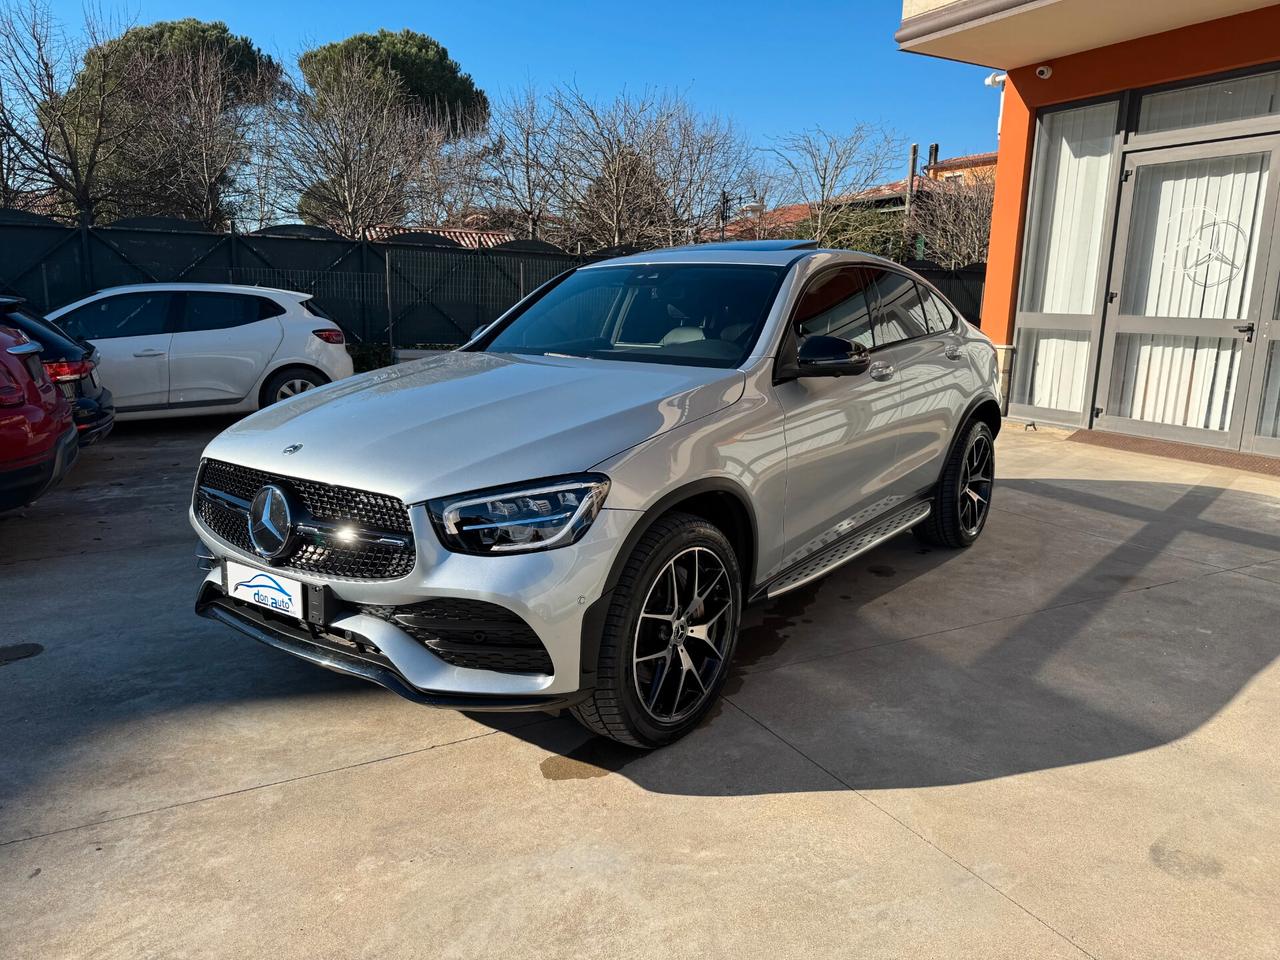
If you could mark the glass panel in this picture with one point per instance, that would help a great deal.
(1269, 417)
(837, 305)
(1238, 99)
(1050, 368)
(128, 315)
(1192, 238)
(1187, 381)
(899, 313)
(1068, 219)
(218, 311)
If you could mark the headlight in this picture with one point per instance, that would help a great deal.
(538, 516)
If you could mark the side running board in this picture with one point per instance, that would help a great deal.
(841, 552)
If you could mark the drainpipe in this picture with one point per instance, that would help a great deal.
(911, 177)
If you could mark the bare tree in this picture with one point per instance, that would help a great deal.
(766, 188)
(606, 182)
(825, 170)
(197, 131)
(68, 104)
(522, 161)
(699, 160)
(347, 148)
(19, 186)
(447, 175)
(260, 189)
(953, 217)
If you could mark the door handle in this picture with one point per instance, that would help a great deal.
(1247, 330)
(881, 370)
(150, 353)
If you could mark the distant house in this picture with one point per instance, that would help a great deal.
(888, 197)
(968, 167)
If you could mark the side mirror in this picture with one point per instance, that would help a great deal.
(821, 356)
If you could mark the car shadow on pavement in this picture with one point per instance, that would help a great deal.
(1092, 620)
(1124, 639)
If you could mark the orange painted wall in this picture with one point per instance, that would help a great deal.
(1243, 40)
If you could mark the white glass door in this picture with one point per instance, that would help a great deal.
(1184, 306)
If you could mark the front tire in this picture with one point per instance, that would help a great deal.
(963, 498)
(669, 635)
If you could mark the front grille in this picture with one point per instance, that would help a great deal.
(470, 633)
(357, 561)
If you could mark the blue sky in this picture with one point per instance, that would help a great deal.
(772, 66)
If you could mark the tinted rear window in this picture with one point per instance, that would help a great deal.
(58, 344)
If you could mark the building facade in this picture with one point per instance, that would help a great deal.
(1133, 275)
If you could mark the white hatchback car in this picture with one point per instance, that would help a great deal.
(173, 349)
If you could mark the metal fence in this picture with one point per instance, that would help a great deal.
(394, 294)
(437, 296)
(384, 293)
(963, 287)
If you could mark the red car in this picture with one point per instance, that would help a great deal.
(38, 441)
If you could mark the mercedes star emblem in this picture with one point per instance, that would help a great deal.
(1211, 251)
(270, 522)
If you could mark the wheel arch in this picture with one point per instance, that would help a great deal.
(718, 500)
(280, 368)
(985, 408)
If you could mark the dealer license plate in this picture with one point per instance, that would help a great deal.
(269, 590)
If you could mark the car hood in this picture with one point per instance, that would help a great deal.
(458, 421)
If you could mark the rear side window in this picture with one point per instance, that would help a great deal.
(899, 313)
(315, 310)
(219, 311)
(838, 304)
(126, 315)
(940, 318)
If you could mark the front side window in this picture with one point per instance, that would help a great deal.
(218, 311)
(706, 315)
(838, 304)
(126, 315)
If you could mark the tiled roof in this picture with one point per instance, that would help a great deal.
(968, 160)
(463, 236)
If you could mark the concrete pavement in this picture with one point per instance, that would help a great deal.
(1058, 743)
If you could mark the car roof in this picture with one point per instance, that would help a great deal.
(777, 253)
(205, 287)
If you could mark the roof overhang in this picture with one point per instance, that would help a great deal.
(1017, 33)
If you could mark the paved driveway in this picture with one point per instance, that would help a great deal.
(1060, 743)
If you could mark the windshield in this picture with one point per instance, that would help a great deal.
(695, 314)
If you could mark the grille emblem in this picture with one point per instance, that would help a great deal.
(270, 522)
(291, 448)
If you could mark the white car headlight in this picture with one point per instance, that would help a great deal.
(536, 516)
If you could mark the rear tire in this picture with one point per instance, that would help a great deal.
(289, 382)
(669, 635)
(962, 501)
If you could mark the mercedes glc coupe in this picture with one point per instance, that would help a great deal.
(571, 510)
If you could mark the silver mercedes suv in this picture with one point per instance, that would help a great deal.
(571, 510)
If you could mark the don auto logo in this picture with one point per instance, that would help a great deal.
(268, 592)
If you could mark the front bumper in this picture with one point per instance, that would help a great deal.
(557, 593)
